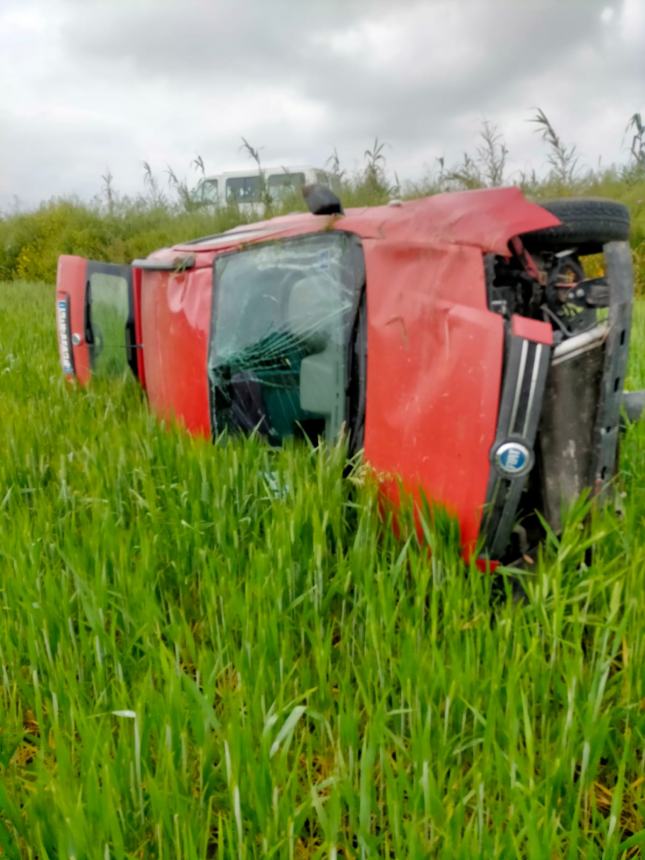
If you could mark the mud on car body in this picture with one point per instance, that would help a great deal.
(457, 338)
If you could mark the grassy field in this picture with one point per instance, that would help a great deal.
(195, 665)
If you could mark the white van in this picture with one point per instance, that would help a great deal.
(247, 189)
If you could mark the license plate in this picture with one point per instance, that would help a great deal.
(64, 336)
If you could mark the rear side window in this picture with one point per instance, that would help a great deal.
(109, 312)
(283, 318)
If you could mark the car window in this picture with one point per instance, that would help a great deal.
(109, 310)
(282, 320)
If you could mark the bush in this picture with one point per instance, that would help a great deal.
(31, 242)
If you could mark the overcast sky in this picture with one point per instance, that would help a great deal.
(88, 86)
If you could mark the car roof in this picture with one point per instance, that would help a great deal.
(485, 218)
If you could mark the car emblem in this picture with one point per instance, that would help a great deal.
(513, 459)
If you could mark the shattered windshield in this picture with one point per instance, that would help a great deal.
(282, 319)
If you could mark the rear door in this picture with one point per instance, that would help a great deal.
(95, 314)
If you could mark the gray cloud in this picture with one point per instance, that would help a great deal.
(96, 83)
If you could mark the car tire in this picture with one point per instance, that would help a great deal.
(587, 223)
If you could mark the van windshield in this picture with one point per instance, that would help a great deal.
(206, 191)
(282, 321)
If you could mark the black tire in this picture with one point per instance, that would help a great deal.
(587, 223)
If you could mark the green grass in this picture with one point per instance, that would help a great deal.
(195, 665)
(31, 242)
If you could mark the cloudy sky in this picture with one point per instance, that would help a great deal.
(90, 86)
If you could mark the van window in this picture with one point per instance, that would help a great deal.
(244, 189)
(208, 191)
(282, 323)
(282, 185)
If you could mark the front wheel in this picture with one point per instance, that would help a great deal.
(587, 224)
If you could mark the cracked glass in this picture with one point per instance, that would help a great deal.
(282, 322)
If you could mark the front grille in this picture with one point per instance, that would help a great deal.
(526, 368)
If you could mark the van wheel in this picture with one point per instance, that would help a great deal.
(587, 223)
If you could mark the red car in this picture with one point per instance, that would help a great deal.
(457, 338)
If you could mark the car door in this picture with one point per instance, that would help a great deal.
(96, 319)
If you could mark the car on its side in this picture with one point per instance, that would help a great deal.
(456, 339)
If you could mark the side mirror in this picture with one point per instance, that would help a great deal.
(321, 200)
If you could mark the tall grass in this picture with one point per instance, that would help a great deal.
(218, 651)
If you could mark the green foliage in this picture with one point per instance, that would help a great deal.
(265, 196)
(636, 127)
(563, 159)
(31, 242)
(217, 651)
(120, 229)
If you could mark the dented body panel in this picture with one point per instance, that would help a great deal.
(175, 319)
(421, 338)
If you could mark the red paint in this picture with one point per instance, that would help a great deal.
(175, 316)
(71, 280)
(433, 374)
(539, 332)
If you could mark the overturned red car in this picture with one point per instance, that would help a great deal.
(456, 339)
